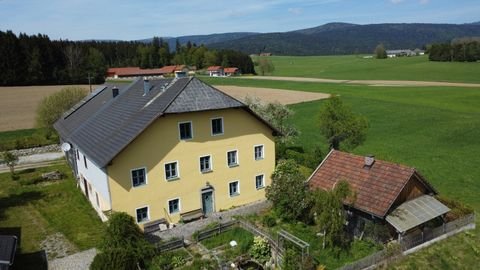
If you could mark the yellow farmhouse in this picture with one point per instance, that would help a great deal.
(167, 149)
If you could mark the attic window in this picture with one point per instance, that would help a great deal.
(185, 130)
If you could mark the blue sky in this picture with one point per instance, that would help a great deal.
(130, 20)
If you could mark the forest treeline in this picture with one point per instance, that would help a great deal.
(459, 50)
(37, 60)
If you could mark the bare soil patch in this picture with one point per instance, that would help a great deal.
(271, 94)
(18, 104)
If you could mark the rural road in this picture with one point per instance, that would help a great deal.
(366, 82)
(34, 161)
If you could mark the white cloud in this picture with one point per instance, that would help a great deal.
(295, 11)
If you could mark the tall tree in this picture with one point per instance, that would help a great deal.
(52, 107)
(265, 66)
(340, 125)
(96, 66)
(380, 52)
(288, 193)
(330, 215)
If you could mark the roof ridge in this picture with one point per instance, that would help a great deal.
(320, 165)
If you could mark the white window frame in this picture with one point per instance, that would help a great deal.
(236, 159)
(131, 176)
(177, 169)
(211, 126)
(210, 162)
(179, 206)
(180, 134)
(238, 189)
(263, 181)
(255, 154)
(148, 214)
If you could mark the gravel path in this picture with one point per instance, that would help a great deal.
(188, 229)
(34, 161)
(367, 82)
(77, 261)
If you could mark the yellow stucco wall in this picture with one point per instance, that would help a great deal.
(160, 144)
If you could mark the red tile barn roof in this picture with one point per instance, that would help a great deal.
(376, 187)
(214, 68)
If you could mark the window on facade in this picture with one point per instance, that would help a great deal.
(232, 159)
(142, 214)
(205, 164)
(259, 181)
(85, 161)
(185, 130)
(78, 155)
(96, 198)
(217, 126)
(258, 152)
(171, 170)
(174, 206)
(138, 177)
(234, 188)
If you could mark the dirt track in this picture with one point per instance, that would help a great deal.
(270, 94)
(18, 104)
(367, 82)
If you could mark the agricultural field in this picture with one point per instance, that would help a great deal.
(355, 67)
(434, 129)
(18, 104)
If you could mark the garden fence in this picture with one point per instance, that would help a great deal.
(220, 228)
(411, 241)
(170, 245)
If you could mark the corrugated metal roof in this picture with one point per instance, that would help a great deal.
(109, 128)
(415, 212)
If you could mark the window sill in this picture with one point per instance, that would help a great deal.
(233, 165)
(259, 158)
(207, 171)
(138, 186)
(234, 195)
(217, 134)
(262, 187)
(172, 179)
(143, 221)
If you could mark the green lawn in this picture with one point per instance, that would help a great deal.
(434, 129)
(351, 67)
(45, 208)
(24, 138)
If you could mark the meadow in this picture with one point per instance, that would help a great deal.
(434, 129)
(355, 67)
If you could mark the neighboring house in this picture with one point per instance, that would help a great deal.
(400, 53)
(231, 71)
(167, 149)
(385, 192)
(132, 72)
(215, 71)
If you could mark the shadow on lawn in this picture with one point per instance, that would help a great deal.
(18, 200)
(33, 261)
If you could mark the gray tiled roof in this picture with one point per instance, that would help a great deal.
(103, 129)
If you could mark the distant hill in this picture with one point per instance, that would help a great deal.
(203, 39)
(344, 38)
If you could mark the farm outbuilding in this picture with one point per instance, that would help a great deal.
(385, 192)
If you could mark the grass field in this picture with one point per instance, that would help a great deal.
(435, 129)
(353, 67)
(39, 210)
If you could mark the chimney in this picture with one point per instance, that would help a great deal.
(146, 86)
(115, 91)
(369, 160)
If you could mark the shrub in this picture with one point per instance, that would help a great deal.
(458, 209)
(260, 250)
(119, 259)
(269, 220)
